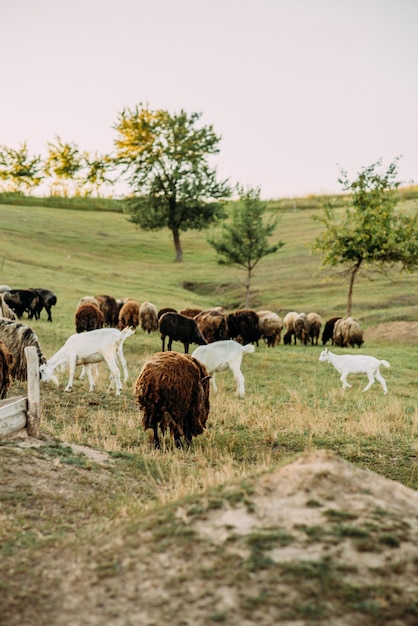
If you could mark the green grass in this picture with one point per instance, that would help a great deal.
(292, 404)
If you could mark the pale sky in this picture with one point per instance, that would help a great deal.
(297, 89)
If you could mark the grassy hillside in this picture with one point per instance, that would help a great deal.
(62, 500)
(80, 252)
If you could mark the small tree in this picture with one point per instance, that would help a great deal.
(243, 241)
(18, 170)
(371, 233)
(166, 159)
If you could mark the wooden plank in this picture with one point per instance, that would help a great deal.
(34, 404)
(13, 416)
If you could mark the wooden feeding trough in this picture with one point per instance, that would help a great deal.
(23, 411)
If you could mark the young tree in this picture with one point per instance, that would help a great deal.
(372, 233)
(18, 170)
(244, 240)
(166, 159)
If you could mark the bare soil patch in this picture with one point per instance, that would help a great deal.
(393, 332)
(316, 541)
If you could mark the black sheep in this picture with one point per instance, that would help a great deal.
(178, 327)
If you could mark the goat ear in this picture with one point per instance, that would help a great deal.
(206, 378)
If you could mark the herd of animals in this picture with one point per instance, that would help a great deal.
(172, 389)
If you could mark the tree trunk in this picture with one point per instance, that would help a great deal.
(351, 286)
(247, 290)
(177, 245)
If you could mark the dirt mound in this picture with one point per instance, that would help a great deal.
(393, 332)
(318, 540)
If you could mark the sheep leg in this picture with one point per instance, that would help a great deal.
(343, 379)
(170, 343)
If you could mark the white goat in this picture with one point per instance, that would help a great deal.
(219, 356)
(347, 364)
(103, 344)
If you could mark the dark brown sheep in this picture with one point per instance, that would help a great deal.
(167, 309)
(88, 317)
(328, 332)
(178, 327)
(109, 308)
(243, 326)
(6, 367)
(172, 391)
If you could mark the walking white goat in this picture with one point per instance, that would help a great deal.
(103, 344)
(219, 356)
(347, 364)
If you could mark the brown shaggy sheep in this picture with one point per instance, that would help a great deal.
(6, 366)
(190, 312)
(16, 337)
(347, 333)
(289, 324)
(271, 326)
(315, 323)
(148, 317)
(172, 391)
(213, 325)
(129, 315)
(88, 317)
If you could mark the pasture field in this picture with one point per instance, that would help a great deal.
(292, 404)
(292, 401)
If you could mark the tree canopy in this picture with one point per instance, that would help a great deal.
(244, 239)
(166, 160)
(20, 171)
(371, 233)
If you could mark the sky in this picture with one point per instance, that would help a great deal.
(298, 90)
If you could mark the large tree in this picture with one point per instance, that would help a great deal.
(166, 158)
(244, 239)
(371, 233)
(19, 171)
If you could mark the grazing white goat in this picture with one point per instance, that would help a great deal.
(347, 364)
(222, 355)
(103, 344)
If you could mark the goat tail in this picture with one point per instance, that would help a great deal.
(249, 347)
(125, 333)
(385, 363)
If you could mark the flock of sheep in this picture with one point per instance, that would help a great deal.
(172, 389)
